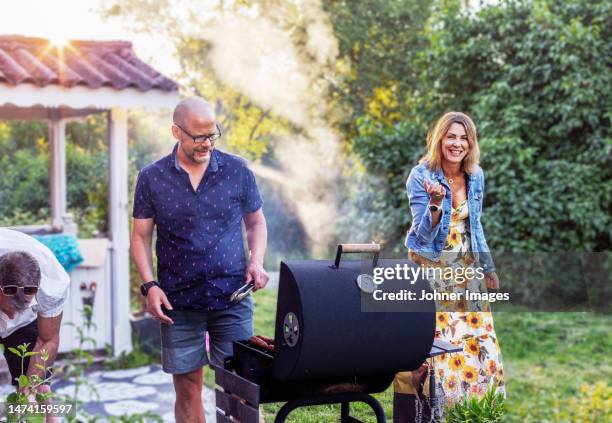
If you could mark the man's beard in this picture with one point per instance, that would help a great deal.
(195, 159)
(19, 302)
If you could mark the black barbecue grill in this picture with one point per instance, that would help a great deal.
(327, 350)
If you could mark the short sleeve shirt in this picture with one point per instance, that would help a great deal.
(201, 257)
(54, 281)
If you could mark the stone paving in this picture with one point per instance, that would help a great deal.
(131, 391)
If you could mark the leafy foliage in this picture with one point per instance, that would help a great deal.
(488, 409)
(379, 40)
(28, 386)
(535, 77)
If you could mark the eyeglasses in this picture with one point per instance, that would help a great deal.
(11, 290)
(199, 139)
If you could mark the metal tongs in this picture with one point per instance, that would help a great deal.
(242, 292)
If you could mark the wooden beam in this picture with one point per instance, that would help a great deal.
(8, 112)
(80, 97)
(235, 407)
(57, 143)
(237, 385)
(119, 230)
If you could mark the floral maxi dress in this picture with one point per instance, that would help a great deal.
(479, 367)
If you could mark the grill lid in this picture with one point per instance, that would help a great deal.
(321, 330)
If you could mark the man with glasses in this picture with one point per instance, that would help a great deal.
(198, 197)
(33, 289)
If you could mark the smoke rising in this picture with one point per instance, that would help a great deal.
(259, 58)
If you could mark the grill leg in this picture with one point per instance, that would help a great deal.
(376, 407)
(345, 411)
(287, 408)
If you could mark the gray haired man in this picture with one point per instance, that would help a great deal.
(33, 289)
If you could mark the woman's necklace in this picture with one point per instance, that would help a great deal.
(451, 180)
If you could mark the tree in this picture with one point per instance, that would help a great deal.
(535, 77)
(248, 127)
(379, 41)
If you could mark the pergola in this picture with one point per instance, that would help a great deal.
(45, 82)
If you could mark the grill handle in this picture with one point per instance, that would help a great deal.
(357, 248)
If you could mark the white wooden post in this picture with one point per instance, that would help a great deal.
(57, 143)
(119, 230)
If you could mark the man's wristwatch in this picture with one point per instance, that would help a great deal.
(434, 208)
(144, 288)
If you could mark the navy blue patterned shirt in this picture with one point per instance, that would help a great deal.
(201, 258)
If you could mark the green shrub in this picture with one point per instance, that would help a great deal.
(535, 77)
(488, 409)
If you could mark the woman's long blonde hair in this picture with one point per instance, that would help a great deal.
(433, 156)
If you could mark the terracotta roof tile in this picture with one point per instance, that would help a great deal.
(11, 70)
(89, 63)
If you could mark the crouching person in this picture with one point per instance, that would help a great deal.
(33, 289)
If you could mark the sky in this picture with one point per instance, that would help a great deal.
(63, 20)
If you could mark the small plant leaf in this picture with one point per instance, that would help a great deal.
(23, 381)
(15, 351)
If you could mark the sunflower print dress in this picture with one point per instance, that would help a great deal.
(461, 322)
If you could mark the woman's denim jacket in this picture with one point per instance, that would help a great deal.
(429, 242)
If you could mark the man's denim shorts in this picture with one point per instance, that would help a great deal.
(184, 342)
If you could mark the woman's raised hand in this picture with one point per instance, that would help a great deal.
(492, 280)
(435, 191)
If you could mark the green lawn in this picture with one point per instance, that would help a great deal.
(557, 366)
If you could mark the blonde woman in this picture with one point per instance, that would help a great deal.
(445, 191)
